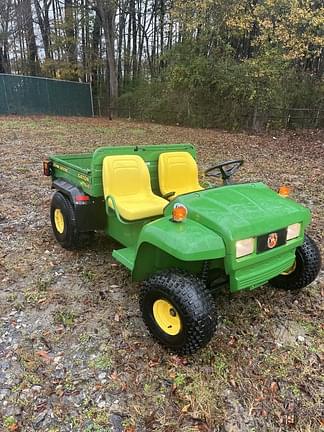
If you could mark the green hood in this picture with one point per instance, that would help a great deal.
(243, 210)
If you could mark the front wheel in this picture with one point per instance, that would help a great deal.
(178, 310)
(305, 269)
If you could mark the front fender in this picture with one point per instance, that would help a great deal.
(186, 241)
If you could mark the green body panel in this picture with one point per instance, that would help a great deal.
(241, 211)
(150, 259)
(75, 169)
(125, 256)
(217, 218)
(188, 241)
(126, 233)
(260, 269)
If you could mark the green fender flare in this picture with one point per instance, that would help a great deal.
(185, 241)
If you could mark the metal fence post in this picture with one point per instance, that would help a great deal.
(91, 98)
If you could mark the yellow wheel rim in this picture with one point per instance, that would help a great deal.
(290, 270)
(167, 317)
(59, 220)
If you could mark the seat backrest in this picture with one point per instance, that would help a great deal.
(177, 171)
(125, 175)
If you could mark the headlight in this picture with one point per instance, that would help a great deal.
(244, 247)
(293, 231)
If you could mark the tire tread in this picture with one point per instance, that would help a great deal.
(199, 313)
(300, 278)
(73, 239)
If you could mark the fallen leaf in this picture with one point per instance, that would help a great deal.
(154, 362)
(41, 300)
(231, 341)
(60, 329)
(274, 387)
(179, 361)
(113, 376)
(202, 427)
(44, 355)
(123, 386)
(185, 409)
(260, 398)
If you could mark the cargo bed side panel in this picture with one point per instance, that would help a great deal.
(75, 169)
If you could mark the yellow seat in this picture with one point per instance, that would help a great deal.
(127, 179)
(178, 172)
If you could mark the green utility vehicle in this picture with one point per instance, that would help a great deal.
(182, 238)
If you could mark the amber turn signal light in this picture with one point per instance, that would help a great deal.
(284, 191)
(179, 213)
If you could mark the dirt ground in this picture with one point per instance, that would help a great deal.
(74, 353)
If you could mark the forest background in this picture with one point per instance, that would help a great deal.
(213, 63)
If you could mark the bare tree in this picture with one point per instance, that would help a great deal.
(4, 34)
(107, 10)
(33, 66)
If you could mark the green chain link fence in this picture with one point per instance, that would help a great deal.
(32, 95)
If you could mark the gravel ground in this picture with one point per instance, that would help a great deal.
(75, 355)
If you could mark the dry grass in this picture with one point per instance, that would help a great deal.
(98, 368)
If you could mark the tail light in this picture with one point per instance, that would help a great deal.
(47, 168)
(82, 199)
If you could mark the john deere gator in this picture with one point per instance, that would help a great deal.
(183, 239)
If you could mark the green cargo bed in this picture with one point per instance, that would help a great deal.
(85, 170)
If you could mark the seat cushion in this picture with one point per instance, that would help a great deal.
(127, 179)
(140, 207)
(178, 172)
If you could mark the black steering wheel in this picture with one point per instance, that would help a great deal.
(225, 173)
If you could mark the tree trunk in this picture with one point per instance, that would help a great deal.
(33, 62)
(4, 46)
(71, 47)
(121, 30)
(134, 39)
(107, 11)
(43, 22)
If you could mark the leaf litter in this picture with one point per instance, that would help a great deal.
(75, 355)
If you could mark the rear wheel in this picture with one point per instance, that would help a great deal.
(304, 270)
(64, 223)
(178, 310)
